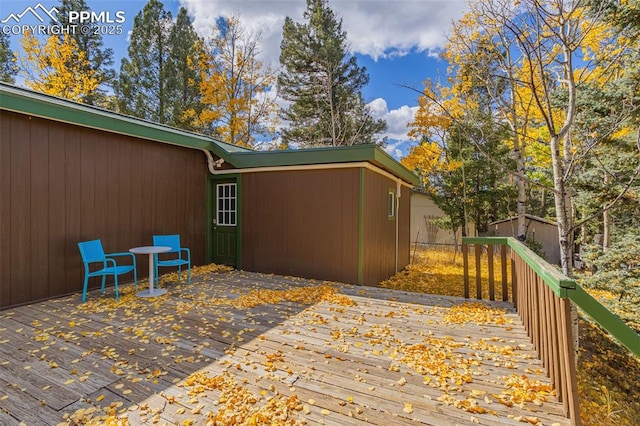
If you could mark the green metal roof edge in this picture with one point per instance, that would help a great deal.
(230, 147)
(17, 99)
(326, 155)
(26, 101)
(389, 163)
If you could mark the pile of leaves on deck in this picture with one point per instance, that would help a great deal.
(608, 376)
(239, 402)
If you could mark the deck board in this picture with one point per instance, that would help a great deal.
(344, 363)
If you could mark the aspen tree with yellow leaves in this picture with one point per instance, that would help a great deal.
(533, 58)
(98, 59)
(457, 134)
(45, 66)
(238, 104)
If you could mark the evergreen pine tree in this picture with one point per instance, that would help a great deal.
(8, 68)
(145, 75)
(183, 91)
(323, 83)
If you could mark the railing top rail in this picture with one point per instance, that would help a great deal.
(566, 287)
(556, 280)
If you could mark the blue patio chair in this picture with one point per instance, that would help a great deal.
(183, 255)
(92, 252)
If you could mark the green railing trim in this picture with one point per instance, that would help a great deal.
(551, 275)
(485, 240)
(556, 281)
(566, 287)
(607, 319)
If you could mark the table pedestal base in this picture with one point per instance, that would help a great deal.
(149, 293)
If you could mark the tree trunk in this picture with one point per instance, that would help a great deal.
(521, 206)
(562, 213)
(606, 218)
(562, 204)
(465, 229)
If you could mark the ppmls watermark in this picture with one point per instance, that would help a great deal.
(38, 20)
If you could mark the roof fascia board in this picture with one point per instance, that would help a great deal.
(321, 166)
(393, 166)
(331, 155)
(45, 106)
(17, 99)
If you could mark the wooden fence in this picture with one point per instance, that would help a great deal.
(542, 295)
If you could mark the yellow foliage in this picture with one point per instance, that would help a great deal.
(235, 87)
(239, 406)
(609, 394)
(476, 312)
(304, 295)
(432, 117)
(57, 68)
(441, 272)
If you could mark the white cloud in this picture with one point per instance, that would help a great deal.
(378, 28)
(398, 143)
(397, 149)
(396, 119)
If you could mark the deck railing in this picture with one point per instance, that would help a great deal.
(542, 296)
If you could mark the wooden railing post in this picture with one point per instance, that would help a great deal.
(514, 281)
(492, 290)
(465, 267)
(478, 252)
(543, 307)
(503, 265)
(571, 392)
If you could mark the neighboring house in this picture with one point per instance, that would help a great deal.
(423, 229)
(71, 172)
(538, 229)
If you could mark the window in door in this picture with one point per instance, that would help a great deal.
(226, 204)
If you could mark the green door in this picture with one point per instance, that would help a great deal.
(225, 223)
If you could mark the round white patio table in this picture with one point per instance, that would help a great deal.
(151, 250)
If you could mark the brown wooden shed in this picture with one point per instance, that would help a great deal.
(71, 172)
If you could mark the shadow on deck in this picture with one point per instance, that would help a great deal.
(289, 355)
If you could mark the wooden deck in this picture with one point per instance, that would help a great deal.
(194, 355)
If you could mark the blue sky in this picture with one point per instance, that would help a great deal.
(396, 40)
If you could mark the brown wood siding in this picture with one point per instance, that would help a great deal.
(302, 223)
(404, 228)
(61, 184)
(379, 230)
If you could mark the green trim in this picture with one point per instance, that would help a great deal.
(208, 234)
(608, 320)
(17, 99)
(239, 203)
(566, 287)
(231, 178)
(329, 155)
(554, 278)
(361, 228)
(25, 101)
(231, 148)
(395, 202)
(485, 240)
